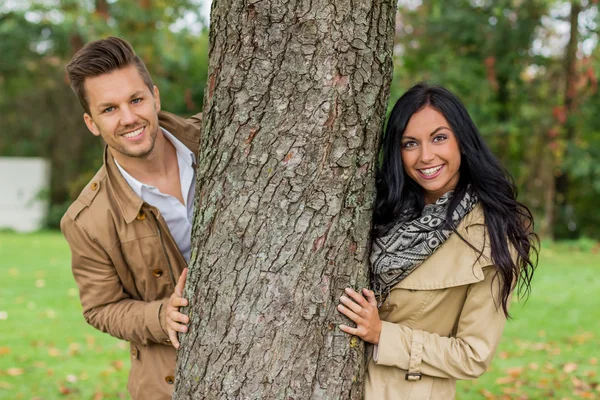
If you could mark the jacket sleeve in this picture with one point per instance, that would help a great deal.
(106, 305)
(465, 356)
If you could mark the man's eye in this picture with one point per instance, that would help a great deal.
(109, 109)
(136, 101)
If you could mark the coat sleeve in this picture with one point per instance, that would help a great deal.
(465, 356)
(106, 305)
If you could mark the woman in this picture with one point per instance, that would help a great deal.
(450, 243)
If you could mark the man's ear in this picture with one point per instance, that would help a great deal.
(91, 125)
(156, 99)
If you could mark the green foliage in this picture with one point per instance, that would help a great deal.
(497, 57)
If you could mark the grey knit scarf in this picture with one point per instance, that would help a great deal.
(411, 241)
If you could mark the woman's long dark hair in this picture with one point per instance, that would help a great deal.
(508, 222)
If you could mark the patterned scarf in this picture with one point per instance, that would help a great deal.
(411, 241)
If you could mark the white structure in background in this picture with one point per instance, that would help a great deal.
(21, 182)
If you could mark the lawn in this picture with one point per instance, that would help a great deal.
(550, 349)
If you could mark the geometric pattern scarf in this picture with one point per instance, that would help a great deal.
(410, 242)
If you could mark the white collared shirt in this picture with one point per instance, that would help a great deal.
(177, 216)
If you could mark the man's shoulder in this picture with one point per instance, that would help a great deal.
(90, 196)
(187, 130)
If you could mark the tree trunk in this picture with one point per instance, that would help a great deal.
(561, 181)
(294, 106)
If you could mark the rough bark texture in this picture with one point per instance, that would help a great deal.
(295, 102)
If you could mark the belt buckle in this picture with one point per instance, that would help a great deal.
(413, 376)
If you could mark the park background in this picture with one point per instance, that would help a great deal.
(526, 70)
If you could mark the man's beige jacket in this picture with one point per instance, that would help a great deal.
(126, 265)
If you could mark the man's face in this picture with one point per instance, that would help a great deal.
(123, 111)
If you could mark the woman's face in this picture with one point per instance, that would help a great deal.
(430, 153)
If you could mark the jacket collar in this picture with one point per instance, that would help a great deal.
(129, 202)
(455, 263)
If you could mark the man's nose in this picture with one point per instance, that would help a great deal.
(128, 117)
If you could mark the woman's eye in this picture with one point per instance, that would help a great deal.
(439, 138)
(409, 144)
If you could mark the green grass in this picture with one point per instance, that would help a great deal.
(47, 351)
(550, 350)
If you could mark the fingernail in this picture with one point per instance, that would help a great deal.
(348, 290)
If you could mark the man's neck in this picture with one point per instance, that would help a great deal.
(155, 166)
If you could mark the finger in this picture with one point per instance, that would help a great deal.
(357, 297)
(178, 317)
(370, 295)
(347, 329)
(349, 314)
(173, 338)
(351, 305)
(181, 282)
(176, 302)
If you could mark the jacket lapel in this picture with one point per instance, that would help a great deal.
(454, 263)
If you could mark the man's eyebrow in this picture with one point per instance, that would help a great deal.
(133, 96)
(436, 130)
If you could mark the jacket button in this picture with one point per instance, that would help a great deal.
(157, 273)
(94, 185)
(141, 216)
(134, 352)
(170, 379)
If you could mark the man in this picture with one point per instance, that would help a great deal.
(129, 229)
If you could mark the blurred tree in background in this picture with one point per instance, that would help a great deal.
(526, 70)
(41, 116)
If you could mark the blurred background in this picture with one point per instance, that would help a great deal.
(527, 71)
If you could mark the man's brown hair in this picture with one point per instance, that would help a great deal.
(102, 57)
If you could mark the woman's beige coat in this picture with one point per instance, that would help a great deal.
(440, 323)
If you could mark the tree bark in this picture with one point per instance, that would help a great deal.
(294, 106)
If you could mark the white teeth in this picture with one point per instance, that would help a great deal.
(431, 171)
(134, 133)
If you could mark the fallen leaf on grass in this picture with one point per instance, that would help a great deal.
(118, 364)
(590, 373)
(585, 395)
(3, 315)
(533, 366)
(515, 371)
(4, 350)
(569, 367)
(74, 349)
(5, 385)
(40, 283)
(15, 371)
(71, 378)
(13, 272)
(53, 352)
(98, 396)
(64, 390)
(487, 394)
(593, 361)
(90, 340)
(505, 380)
